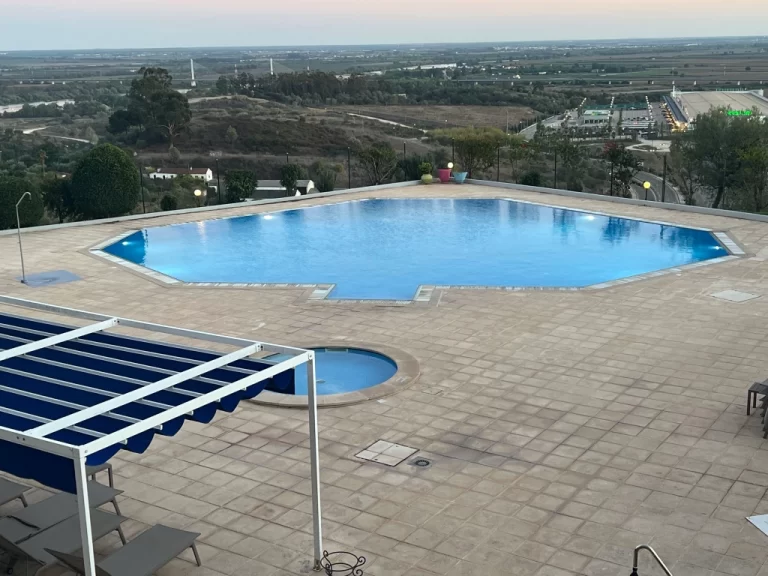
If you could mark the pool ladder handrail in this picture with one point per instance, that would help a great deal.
(653, 553)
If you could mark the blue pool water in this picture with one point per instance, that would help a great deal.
(385, 249)
(339, 370)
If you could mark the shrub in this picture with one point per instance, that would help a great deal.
(30, 210)
(324, 175)
(531, 179)
(239, 184)
(105, 183)
(425, 168)
(168, 202)
(290, 174)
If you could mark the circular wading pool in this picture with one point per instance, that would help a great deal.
(342, 370)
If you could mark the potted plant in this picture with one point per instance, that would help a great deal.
(445, 173)
(426, 172)
(458, 175)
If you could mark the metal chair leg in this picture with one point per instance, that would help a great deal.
(117, 508)
(122, 536)
(197, 556)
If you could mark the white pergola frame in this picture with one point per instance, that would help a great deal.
(37, 437)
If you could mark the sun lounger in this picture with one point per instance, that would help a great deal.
(64, 536)
(91, 471)
(10, 491)
(25, 523)
(760, 388)
(142, 556)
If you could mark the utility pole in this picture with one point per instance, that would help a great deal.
(453, 151)
(507, 122)
(286, 158)
(498, 162)
(664, 180)
(349, 168)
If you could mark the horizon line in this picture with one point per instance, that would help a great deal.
(410, 44)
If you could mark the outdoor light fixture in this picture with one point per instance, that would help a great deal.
(198, 193)
(450, 165)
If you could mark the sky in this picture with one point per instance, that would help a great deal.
(90, 24)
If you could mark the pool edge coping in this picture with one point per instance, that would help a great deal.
(407, 373)
(424, 293)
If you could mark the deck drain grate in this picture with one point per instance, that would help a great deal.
(386, 453)
(420, 463)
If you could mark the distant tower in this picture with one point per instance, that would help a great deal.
(192, 68)
(271, 68)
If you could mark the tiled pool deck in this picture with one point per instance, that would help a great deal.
(564, 427)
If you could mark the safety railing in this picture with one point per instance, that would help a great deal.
(655, 556)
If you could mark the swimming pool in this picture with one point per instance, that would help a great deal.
(387, 248)
(340, 370)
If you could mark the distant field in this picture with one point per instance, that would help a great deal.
(442, 116)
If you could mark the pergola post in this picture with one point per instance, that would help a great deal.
(314, 455)
(84, 511)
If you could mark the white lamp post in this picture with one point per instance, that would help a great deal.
(18, 229)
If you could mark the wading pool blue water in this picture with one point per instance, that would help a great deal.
(386, 249)
(339, 370)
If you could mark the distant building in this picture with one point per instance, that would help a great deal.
(595, 117)
(204, 174)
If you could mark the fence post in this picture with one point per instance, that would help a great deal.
(349, 168)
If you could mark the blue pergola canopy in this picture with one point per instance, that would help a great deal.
(84, 387)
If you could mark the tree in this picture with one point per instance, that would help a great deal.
(379, 161)
(476, 148)
(105, 183)
(222, 85)
(121, 121)
(90, 134)
(325, 175)
(753, 175)
(239, 185)
(154, 105)
(519, 153)
(12, 188)
(715, 149)
(171, 112)
(683, 169)
(624, 166)
(290, 174)
(57, 197)
(174, 155)
(231, 135)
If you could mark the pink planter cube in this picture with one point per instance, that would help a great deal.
(444, 174)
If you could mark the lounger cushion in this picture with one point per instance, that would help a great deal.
(10, 491)
(66, 536)
(147, 553)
